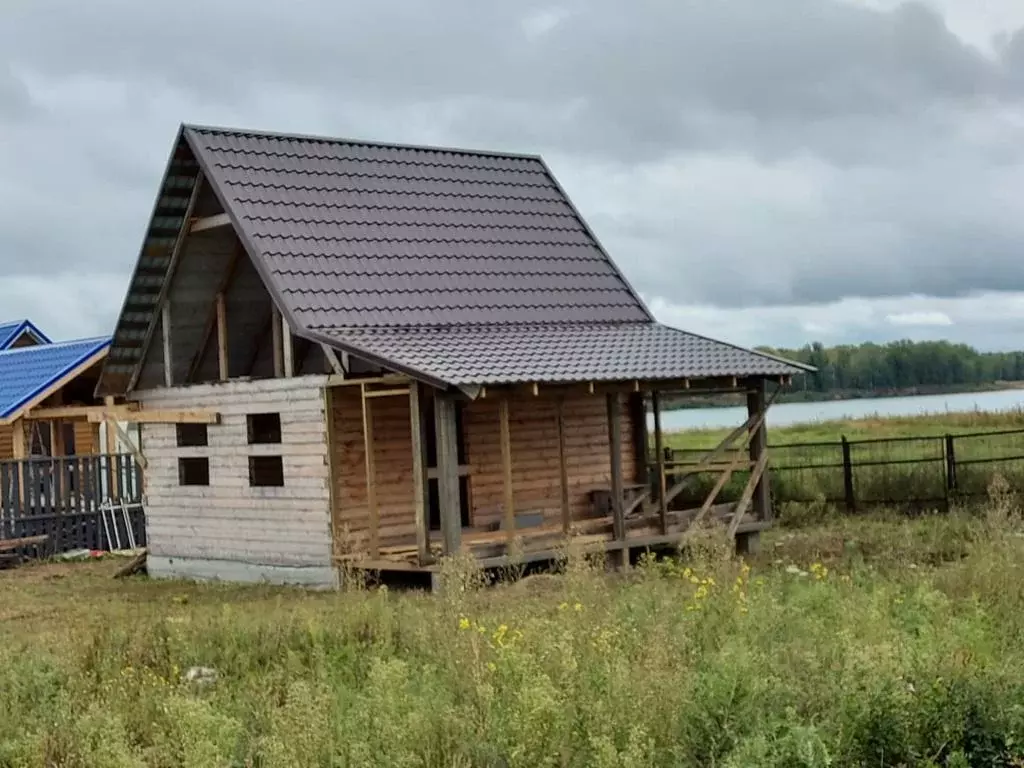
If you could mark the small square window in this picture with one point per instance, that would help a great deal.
(194, 471)
(266, 471)
(264, 427)
(191, 435)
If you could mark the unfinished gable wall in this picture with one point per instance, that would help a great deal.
(228, 529)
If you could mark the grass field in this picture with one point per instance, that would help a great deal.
(869, 642)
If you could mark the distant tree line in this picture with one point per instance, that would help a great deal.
(901, 365)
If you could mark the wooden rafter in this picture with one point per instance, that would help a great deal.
(332, 360)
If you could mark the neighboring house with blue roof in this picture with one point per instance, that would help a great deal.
(45, 375)
(21, 333)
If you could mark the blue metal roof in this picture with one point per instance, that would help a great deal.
(27, 372)
(11, 331)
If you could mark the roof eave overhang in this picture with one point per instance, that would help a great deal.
(373, 358)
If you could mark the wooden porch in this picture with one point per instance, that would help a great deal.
(562, 463)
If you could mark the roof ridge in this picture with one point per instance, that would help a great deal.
(196, 128)
(494, 326)
(95, 340)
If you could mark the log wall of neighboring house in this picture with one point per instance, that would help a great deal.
(229, 529)
(535, 460)
(6, 442)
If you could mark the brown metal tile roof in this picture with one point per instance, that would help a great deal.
(361, 235)
(509, 354)
(460, 266)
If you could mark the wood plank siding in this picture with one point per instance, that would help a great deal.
(6, 442)
(536, 470)
(278, 533)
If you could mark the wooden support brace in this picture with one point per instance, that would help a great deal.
(387, 392)
(748, 494)
(332, 360)
(506, 466)
(371, 476)
(716, 489)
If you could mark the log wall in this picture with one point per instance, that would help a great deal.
(229, 529)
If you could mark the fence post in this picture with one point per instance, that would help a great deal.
(950, 467)
(851, 501)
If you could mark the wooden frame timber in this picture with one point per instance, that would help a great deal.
(506, 453)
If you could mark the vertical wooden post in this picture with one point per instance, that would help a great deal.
(110, 436)
(950, 468)
(18, 439)
(419, 472)
(756, 405)
(286, 348)
(615, 448)
(371, 475)
(275, 330)
(659, 450)
(563, 469)
(165, 330)
(638, 422)
(332, 473)
(222, 336)
(448, 472)
(851, 500)
(506, 466)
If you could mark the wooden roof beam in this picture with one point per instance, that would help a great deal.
(209, 222)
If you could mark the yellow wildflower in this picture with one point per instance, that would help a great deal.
(491, 666)
(563, 606)
(463, 623)
(578, 607)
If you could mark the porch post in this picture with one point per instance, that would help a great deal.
(373, 513)
(563, 469)
(448, 472)
(419, 472)
(615, 448)
(762, 502)
(659, 450)
(506, 466)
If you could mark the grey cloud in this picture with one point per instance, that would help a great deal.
(848, 150)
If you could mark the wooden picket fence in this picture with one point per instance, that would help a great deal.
(78, 502)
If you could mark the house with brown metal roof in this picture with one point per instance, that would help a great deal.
(385, 354)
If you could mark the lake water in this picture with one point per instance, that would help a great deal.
(784, 414)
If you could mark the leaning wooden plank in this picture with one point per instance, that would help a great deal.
(717, 489)
(748, 493)
(371, 476)
(6, 545)
(751, 425)
(133, 566)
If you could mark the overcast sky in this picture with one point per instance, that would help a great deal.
(764, 172)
